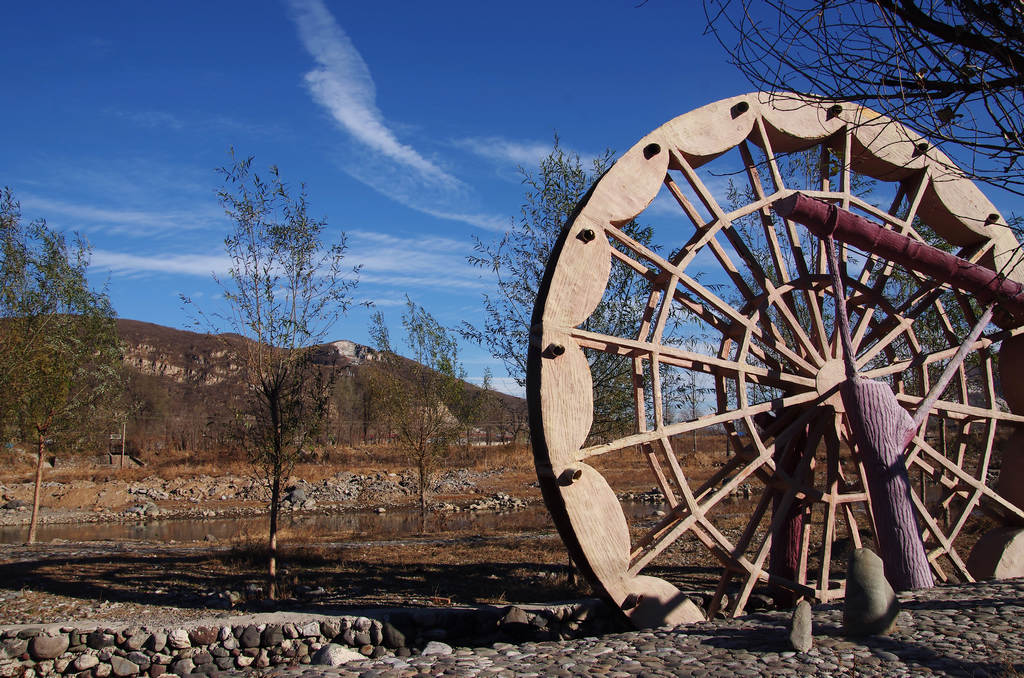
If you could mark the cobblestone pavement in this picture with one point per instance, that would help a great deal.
(969, 630)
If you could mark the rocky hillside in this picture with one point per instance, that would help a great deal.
(182, 384)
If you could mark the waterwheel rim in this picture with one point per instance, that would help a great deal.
(774, 351)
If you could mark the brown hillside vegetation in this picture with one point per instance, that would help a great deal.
(182, 387)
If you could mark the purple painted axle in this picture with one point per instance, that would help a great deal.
(824, 219)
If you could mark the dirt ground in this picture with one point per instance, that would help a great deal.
(519, 558)
(117, 581)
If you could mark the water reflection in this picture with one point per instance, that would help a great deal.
(347, 526)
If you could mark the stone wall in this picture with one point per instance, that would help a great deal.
(260, 641)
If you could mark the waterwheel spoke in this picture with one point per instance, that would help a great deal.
(967, 479)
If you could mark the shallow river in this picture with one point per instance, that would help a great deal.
(348, 526)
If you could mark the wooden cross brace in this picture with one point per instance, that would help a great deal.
(881, 428)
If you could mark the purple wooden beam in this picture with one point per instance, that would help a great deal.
(825, 219)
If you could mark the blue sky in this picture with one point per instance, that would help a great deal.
(405, 120)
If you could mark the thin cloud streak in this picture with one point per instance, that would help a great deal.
(343, 85)
(122, 221)
(422, 262)
(505, 151)
(121, 263)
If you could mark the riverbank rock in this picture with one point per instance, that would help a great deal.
(871, 606)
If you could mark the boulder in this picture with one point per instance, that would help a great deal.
(800, 636)
(1010, 485)
(871, 606)
(47, 646)
(333, 654)
(999, 554)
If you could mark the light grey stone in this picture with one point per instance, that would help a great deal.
(800, 635)
(333, 654)
(85, 661)
(178, 639)
(438, 648)
(309, 629)
(871, 606)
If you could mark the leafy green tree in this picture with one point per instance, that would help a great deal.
(284, 291)
(419, 396)
(517, 262)
(61, 354)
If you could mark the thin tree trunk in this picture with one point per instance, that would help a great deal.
(275, 502)
(422, 467)
(40, 451)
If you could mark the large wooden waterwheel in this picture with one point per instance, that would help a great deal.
(728, 301)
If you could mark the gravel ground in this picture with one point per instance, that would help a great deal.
(968, 630)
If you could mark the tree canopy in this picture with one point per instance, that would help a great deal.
(951, 69)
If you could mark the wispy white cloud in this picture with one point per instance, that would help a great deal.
(122, 263)
(196, 121)
(343, 85)
(152, 119)
(412, 263)
(122, 221)
(505, 151)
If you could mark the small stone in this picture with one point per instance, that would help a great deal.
(157, 670)
(308, 629)
(330, 628)
(14, 647)
(48, 647)
(101, 670)
(203, 635)
(242, 661)
(182, 666)
(515, 615)
(435, 647)
(800, 636)
(203, 657)
(870, 606)
(392, 637)
(250, 637)
(122, 668)
(333, 654)
(140, 658)
(178, 639)
(158, 641)
(85, 661)
(272, 635)
(136, 640)
(289, 630)
(98, 640)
